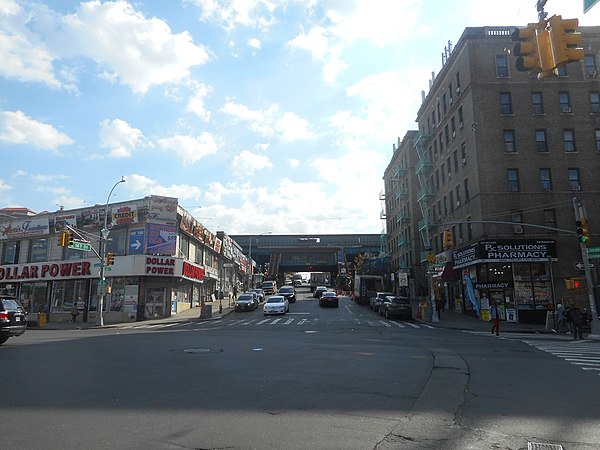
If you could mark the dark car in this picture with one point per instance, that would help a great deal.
(246, 302)
(376, 300)
(13, 319)
(319, 291)
(329, 298)
(396, 307)
(288, 292)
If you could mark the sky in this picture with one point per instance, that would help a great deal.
(258, 115)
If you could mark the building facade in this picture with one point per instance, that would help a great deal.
(500, 157)
(165, 261)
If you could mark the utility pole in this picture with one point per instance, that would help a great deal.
(579, 209)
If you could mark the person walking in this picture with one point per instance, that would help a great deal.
(74, 312)
(439, 305)
(561, 319)
(495, 317)
(576, 319)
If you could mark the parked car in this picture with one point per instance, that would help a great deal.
(319, 291)
(396, 307)
(288, 292)
(13, 318)
(260, 293)
(269, 287)
(376, 300)
(329, 298)
(297, 282)
(276, 304)
(245, 302)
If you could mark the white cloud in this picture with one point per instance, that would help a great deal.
(4, 186)
(254, 44)
(141, 185)
(246, 163)
(234, 13)
(293, 162)
(128, 47)
(120, 138)
(18, 128)
(196, 101)
(189, 149)
(271, 122)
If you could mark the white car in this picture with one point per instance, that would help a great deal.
(276, 304)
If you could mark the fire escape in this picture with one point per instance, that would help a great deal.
(423, 171)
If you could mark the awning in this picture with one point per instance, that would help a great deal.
(443, 273)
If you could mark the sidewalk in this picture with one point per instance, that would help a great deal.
(184, 316)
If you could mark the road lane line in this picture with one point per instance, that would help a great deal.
(263, 321)
(385, 323)
(275, 321)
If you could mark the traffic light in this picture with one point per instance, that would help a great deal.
(62, 239)
(583, 233)
(533, 49)
(576, 283)
(68, 238)
(448, 240)
(565, 40)
(110, 259)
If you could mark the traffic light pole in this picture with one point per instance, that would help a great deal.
(579, 210)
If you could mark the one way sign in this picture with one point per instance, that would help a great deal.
(579, 265)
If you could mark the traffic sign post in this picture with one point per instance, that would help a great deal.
(579, 265)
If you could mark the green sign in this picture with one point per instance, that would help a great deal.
(77, 245)
(587, 4)
(593, 252)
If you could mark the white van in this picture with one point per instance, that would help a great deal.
(269, 287)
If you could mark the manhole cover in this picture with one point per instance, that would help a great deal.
(540, 446)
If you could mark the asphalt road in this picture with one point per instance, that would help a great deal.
(316, 378)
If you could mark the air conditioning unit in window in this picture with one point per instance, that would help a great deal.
(517, 229)
(454, 133)
(451, 100)
(458, 90)
(592, 73)
(567, 109)
(461, 124)
(575, 187)
(464, 161)
(458, 203)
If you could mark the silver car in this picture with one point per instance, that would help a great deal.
(276, 304)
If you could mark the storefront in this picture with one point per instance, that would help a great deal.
(514, 273)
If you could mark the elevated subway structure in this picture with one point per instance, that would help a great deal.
(279, 254)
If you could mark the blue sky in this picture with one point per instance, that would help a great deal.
(259, 115)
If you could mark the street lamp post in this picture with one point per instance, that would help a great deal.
(103, 244)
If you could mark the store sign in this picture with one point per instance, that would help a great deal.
(508, 250)
(125, 215)
(18, 229)
(46, 271)
(193, 272)
(493, 285)
(160, 266)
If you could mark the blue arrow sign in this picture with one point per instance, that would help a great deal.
(136, 242)
(587, 4)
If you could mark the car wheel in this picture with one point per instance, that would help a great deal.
(387, 314)
(3, 338)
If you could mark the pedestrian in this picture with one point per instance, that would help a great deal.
(74, 312)
(495, 317)
(235, 291)
(576, 319)
(561, 319)
(439, 305)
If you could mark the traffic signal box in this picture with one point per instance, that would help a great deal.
(543, 47)
(65, 238)
(448, 239)
(576, 283)
(110, 259)
(583, 233)
(565, 40)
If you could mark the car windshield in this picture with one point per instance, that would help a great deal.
(275, 300)
(245, 297)
(10, 304)
(329, 294)
(399, 301)
(286, 289)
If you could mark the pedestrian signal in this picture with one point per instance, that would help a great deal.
(576, 283)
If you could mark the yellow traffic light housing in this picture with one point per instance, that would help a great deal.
(62, 239)
(448, 239)
(565, 40)
(583, 232)
(526, 48)
(110, 259)
(69, 238)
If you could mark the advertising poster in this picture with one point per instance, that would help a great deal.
(17, 229)
(161, 239)
(61, 222)
(124, 215)
(162, 210)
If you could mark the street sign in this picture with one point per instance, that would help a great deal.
(587, 4)
(78, 245)
(402, 279)
(580, 266)
(593, 252)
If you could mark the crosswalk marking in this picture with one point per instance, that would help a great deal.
(581, 353)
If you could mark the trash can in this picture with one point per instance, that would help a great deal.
(41, 320)
(205, 311)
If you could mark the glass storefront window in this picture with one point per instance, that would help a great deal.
(124, 294)
(532, 286)
(117, 242)
(66, 292)
(39, 250)
(33, 296)
(10, 252)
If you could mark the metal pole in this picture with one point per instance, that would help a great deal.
(251, 265)
(103, 244)
(579, 210)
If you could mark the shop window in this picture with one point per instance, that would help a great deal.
(38, 251)
(65, 293)
(10, 252)
(117, 242)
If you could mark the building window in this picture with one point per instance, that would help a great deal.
(565, 104)
(467, 193)
(541, 144)
(595, 102)
(10, 252)
(510, 146)
(455, 157)
(447, 133)
(537, 106)
(545, 180)
(38, 251)
(597, 133)
(463, 152)
(569, 140)
(444, 103)
(505, 103)
(513, 180)
(561, 71)
(457, 190)
(574, 180)
(453, 126)
(460, 117)
(501, 66)
(550, 218)
(590, 65)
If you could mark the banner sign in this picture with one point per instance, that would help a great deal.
(505, 250)
(18, 229)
